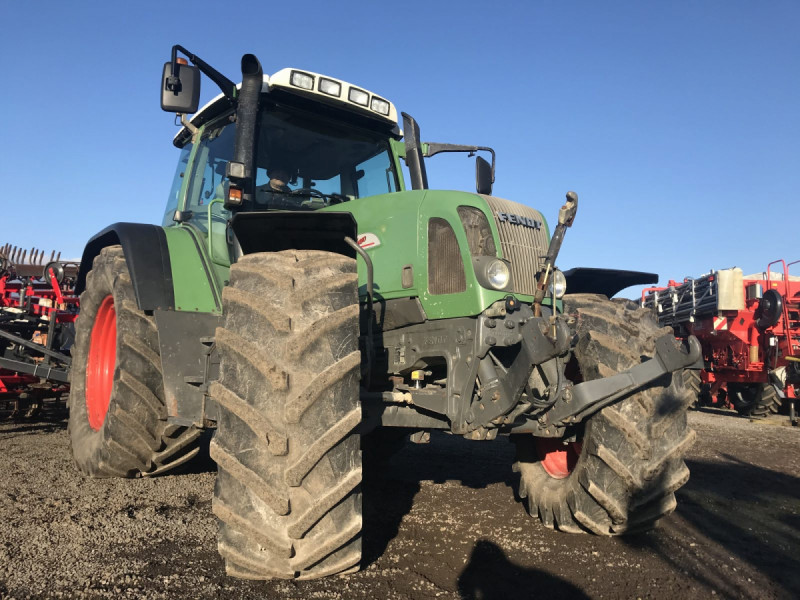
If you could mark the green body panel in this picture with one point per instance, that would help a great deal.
(197, 283)
(398, 152)
(200, 261)
(400, 222)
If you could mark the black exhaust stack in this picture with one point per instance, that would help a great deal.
(414, 156)
(240, 171)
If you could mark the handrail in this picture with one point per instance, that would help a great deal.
(786, 325)
(786, 304)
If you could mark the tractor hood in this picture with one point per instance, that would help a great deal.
(430, 244)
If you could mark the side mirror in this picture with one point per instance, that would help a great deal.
(483, 176)
(180, 93)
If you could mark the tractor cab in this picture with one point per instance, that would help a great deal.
(319, 142)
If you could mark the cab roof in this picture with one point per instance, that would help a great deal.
(311, 86)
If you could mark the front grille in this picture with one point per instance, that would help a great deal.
(445, 267)
(522, 242)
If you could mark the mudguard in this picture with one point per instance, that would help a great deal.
(147, 255)
(585, 280)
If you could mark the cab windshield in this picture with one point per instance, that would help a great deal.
(303, 162)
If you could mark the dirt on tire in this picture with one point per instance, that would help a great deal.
(129, 436)
(288, 490)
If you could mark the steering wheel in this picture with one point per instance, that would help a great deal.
(308, 192)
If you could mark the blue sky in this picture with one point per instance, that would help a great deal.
(677, 123)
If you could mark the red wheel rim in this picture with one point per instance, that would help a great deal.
(558, 459)
(101, 363)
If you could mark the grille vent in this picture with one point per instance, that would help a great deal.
(524, 246)
(445, 267)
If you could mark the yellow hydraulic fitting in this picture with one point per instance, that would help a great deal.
(417, 376)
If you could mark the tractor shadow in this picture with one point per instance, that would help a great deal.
(390, 486)
(731, 510)
(489, 574)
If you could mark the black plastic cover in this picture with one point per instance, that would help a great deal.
(276, 231)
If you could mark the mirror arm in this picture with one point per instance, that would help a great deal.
(192, 129)
(432, 149)
(226, 85)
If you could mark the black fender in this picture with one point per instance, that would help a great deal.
(147, 255)
(586, 280)
(299, 230)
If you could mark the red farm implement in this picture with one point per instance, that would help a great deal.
(38, 309)
(749, 328)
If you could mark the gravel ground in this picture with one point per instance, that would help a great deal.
(441, 521)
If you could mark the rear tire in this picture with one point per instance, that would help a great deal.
(621, 474)
(288, 494)
(755, 400)
(117, 415)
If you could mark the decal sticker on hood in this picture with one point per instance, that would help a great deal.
(368, 240)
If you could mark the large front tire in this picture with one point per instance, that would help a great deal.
(117, 415)
(288, 495)
(620, 475)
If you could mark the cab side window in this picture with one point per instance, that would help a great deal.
(376, 176)
(208, 173)
(177, 183)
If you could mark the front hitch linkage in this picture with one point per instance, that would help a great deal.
(584, 399)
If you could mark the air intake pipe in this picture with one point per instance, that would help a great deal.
(414, 156)
(240, 170)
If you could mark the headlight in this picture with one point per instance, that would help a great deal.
(330, 87)
(302, 80)
(498, 274)
(558, 283)
(358, 96)
(379, 105)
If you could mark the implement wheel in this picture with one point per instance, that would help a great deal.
(288, 495)
(621, 472)
(117, 416)
(755, 400)
(694, 386)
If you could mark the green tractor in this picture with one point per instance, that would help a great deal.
(303, 304)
